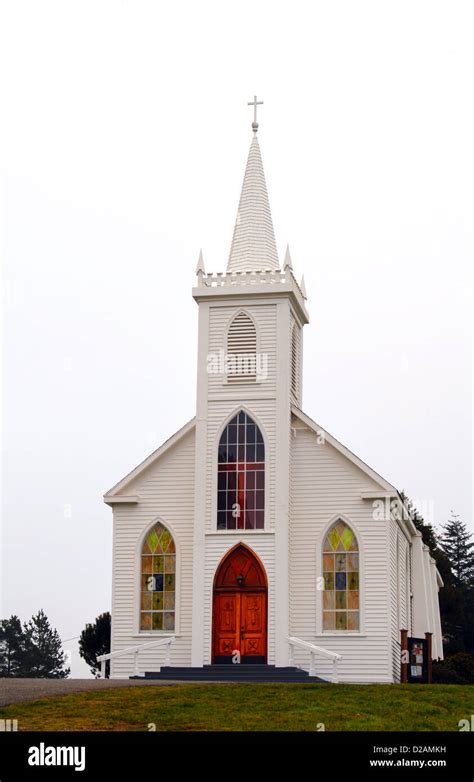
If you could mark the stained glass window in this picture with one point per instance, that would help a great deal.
(241, 475)
(157, 587)
(341, 579)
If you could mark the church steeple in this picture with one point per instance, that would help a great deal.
(253, 244)
(249, 363)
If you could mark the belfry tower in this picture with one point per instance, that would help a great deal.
(251, 319)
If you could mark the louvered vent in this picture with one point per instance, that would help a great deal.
(294, 361)
(241, 350)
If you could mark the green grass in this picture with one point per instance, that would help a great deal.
(252, 707)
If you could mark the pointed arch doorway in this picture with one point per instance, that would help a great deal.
(240, 608)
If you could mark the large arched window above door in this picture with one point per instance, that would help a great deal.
(158, 580)
(341, 602)
(241, 475)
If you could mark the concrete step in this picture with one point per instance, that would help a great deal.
(233, 673)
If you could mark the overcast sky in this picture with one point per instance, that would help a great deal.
(124, 137)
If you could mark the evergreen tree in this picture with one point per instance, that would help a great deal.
(457, 543)
(456, 600)
(457, 596)
(13, 646)
(94, 641)
(45, 657)
(468, 630)
(427, 531)
(452, 606)
(430, 539)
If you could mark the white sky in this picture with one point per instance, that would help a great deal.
(123, 141)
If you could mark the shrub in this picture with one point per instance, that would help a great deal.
(444, 675)
(462, 663)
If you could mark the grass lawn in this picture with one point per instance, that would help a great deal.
(252, 707)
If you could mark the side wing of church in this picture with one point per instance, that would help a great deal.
(253, 536)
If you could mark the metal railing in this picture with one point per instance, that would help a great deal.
(163, 641)
(315, 651)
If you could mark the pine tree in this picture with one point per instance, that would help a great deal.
(457, 543)
(13, 646)
(94, 641)
(45, 658)
(430, 539)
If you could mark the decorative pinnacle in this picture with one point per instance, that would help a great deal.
(255, 103)
(303, 288)
(200, 264)
(287, 262)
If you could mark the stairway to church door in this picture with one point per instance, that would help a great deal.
(240, 609)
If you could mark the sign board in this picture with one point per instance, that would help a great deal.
(417, 660)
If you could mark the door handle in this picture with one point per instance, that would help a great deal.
(242, 632)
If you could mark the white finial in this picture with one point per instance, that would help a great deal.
(200, 264)
(255, 103)
(303, 288)
(287, 262)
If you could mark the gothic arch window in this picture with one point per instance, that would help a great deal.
(157, 580)
(241, 475)
(341, 602)
(242, 350)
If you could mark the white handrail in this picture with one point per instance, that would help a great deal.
(163, 641)
(315, 650)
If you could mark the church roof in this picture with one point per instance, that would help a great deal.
(253, 244)
(385, 485)
(113, 495)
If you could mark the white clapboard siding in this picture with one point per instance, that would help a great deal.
(399, 593)
(217, 546)
(402, 596)
(324, 484)
(166, 491)
(394, 635)
(410, 588)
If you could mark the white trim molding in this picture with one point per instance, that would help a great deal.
(124, 499)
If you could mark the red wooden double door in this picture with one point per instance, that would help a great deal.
(240, 609)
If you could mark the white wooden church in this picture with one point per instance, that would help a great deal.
(252, 536)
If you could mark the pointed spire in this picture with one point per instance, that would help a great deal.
(253, 244)
(200, 264)
(287, 262)
(303, 288)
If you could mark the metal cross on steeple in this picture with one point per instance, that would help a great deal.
(255, 103)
